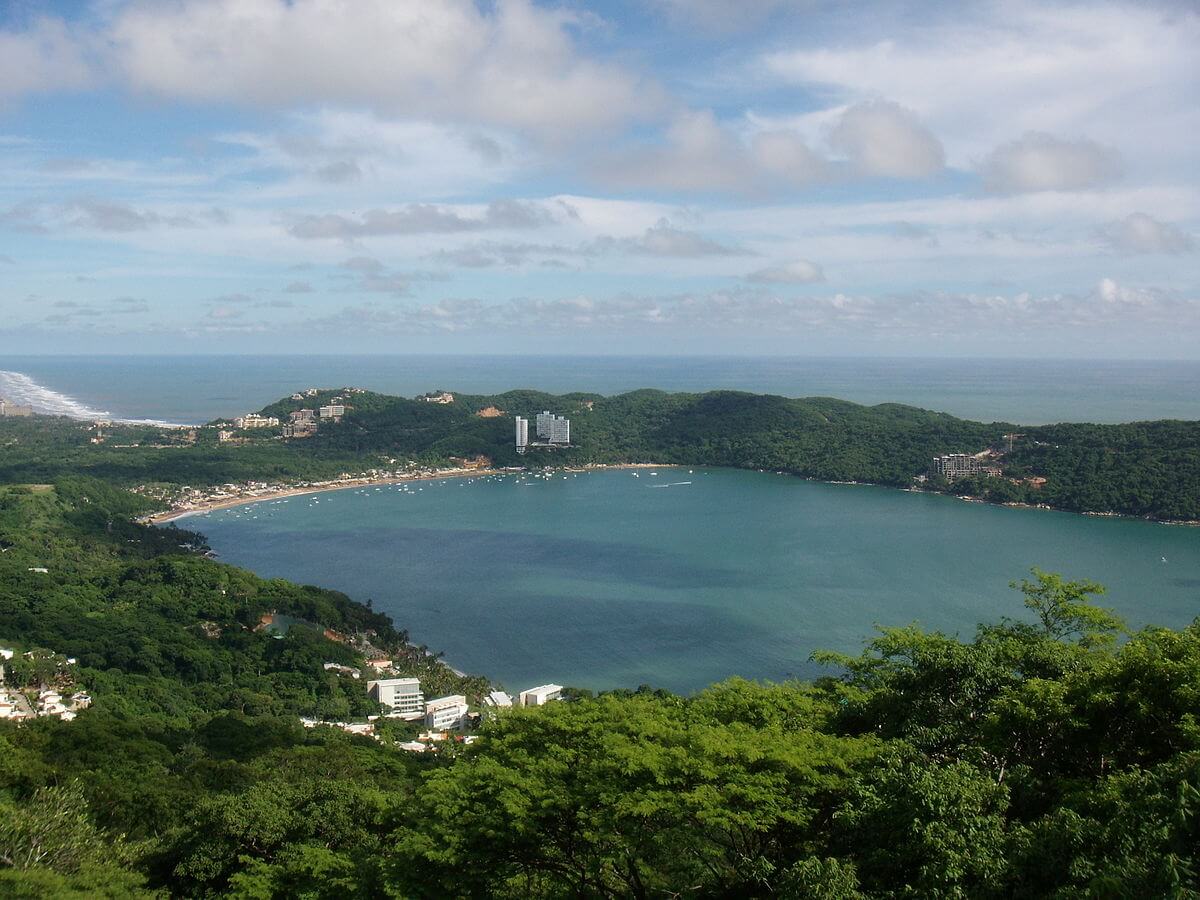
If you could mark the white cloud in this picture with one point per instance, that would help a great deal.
(1140, 233)
(1042, 162)
(663, 239)
(885, 139)
(43, 57)
(511, 64)
(922, 314)
(422, 218)
(785, 155)
(1123, 73)
(799, 272)
(697, 153)
(356, 154)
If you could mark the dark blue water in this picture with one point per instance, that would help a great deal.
(200, 388)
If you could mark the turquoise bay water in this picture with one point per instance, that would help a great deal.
(603, 579)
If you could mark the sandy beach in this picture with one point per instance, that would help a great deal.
(204, 506)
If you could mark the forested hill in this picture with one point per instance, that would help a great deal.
(1040, 758)
(818, 437)
(1147, 469)
(1141, 469)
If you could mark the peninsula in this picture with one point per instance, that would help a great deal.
(321, 437)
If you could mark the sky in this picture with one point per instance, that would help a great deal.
(749, 177)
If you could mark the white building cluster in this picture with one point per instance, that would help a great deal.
(549, 429)
(254, 420)
(19, 705)
(404, 699)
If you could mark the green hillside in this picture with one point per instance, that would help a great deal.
(1036, 760)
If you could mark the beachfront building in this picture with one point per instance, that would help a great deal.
(446, 713)
(254, 420)
(553, 429)
(541, 695)
(961, 465)
(499, 699)
(7, 408)
(522, 434)
(402, 697)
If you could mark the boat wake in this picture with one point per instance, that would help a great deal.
(19, 388)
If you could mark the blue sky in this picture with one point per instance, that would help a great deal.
(637, 176)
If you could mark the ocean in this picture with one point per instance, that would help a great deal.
(682, 578)
(195, 389)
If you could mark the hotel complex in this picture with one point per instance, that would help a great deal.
(551, 431)
(960, 465)
(402, 696)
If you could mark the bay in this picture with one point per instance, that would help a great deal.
(607, 579)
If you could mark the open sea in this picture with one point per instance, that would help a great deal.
(193, 389)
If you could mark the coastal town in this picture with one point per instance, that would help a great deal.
(41, 683)
(444, 719)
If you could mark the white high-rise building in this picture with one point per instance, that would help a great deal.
(402, 696)
(522, 433)
(544, 418)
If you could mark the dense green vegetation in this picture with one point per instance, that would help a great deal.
(1050, 756)
(1144, 469)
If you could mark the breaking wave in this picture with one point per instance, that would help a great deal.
(19, 388)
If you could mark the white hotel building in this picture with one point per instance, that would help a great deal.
(402, 697)
(446, 713)
(542, 695)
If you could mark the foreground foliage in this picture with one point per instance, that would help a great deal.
(1051, 755)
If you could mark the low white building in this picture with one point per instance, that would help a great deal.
(254, 420)
(446, 713)
(342, 670)
(333, 411)
(402, 696)
(499, 699)
(541, 695)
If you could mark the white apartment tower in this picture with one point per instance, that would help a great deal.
(401, 696)
(522, 433)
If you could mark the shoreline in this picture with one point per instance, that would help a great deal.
(180, 512)
(205, 506)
